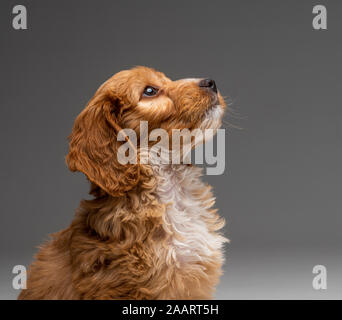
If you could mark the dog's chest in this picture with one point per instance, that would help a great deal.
(188, 202)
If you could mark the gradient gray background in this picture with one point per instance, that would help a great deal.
(281, 191)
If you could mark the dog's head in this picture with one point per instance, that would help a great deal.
(131, 96)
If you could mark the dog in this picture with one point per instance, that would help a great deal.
(150, 231)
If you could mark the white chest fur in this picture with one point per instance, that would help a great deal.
(189, 200)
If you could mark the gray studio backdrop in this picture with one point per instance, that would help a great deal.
(281, 191)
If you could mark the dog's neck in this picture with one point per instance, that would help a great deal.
(188, 216)
(172, 210)
(168, 185)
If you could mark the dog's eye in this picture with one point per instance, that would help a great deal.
(150, 91)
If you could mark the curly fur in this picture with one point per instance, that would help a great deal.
(150, 231)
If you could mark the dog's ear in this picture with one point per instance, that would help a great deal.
(93, 146)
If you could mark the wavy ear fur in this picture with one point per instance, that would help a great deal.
(93, 147)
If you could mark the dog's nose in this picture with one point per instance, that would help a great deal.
(208, 83)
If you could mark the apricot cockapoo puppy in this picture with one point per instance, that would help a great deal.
(150, 231)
